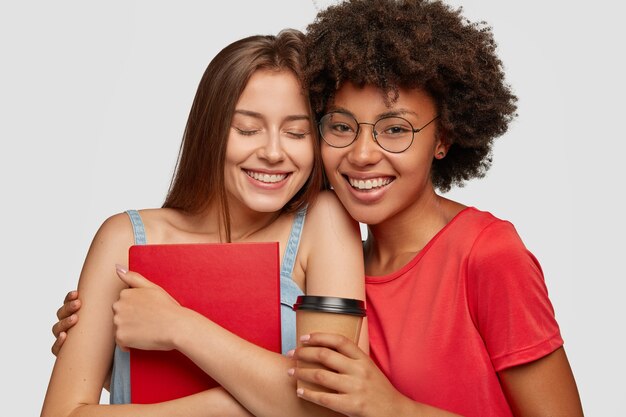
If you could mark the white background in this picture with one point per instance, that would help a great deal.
(93, 102)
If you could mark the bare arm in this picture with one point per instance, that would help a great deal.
(545, 387)
(84, 362)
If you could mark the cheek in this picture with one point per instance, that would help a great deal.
(417, 166)
(330, 158)
(233, 150)
(303, 155)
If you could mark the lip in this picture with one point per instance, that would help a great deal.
(371, 195)
(272, 178)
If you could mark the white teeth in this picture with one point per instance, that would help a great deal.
(270, 179)
(369, 183)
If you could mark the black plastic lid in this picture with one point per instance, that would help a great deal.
(330, 305)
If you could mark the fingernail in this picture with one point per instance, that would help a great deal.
(74, 304)
(305, 338)
(299, 392)
(72, 318)
(291, 371)
(119, 268)
(290, 353)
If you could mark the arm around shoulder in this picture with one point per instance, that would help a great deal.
(333, 250)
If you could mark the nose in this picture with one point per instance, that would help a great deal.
(364, 150)
(272, 150)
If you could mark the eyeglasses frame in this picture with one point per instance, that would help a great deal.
(374, 132)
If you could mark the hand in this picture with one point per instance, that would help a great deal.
(361, 389)
(144, 315)
(67, 319)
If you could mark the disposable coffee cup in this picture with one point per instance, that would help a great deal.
(343, 316)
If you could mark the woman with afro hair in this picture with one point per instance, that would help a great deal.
(410, 96)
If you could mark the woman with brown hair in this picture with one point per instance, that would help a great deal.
(249, 171)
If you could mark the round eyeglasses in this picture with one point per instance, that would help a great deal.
(392, 133)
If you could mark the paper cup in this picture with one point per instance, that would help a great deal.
(343, 316)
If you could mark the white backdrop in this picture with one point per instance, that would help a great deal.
(93, 102)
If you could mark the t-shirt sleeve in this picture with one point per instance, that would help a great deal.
(508, 298)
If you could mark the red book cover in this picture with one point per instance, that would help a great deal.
(236, 285)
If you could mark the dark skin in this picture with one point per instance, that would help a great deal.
(67, 319)
(544, 387)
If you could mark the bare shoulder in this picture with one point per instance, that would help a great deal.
(327, 200)
(327, 218)
(108, 247)
(116, 230)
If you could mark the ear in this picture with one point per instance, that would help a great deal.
(441, 147)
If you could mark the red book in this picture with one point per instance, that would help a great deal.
(236, 285)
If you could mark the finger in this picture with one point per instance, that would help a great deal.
(72, 295)
(334, 341)
(64, 325)
(56, 347)
(69, 307)
(133, 279)
(325, 378)
(324, 356)
(325, 399)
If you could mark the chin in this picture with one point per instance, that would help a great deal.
(363, 214)
(266, 205)
(368, 219)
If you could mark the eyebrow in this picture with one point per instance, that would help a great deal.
(390, 113)
(257, 115)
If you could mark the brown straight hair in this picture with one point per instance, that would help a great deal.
(199, 175)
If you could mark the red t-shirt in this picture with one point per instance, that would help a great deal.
(471, 303)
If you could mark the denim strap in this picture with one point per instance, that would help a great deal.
(289, 258)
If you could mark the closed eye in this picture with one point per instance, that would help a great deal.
(298, 135)
(246, 132)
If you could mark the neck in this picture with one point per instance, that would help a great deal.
(395, 241)
(244, 223)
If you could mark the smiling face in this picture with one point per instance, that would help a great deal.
(373, 184)
(269, 155)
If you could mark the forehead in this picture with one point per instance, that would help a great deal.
(369, 101)
(273, 91)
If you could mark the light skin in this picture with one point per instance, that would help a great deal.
(268, 159)
(402, 217)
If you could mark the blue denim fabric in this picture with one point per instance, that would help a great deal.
(120, 374)
(289, 290)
